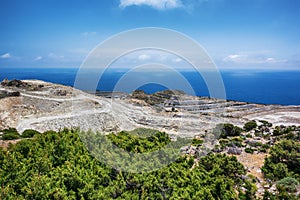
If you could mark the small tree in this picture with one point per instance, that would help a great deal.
(228, 130)
(283, 160)
(10, 134)
(287, 184)
(250, 126)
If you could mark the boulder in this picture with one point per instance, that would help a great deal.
(234, 151)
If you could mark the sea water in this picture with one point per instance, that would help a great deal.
(265, 87)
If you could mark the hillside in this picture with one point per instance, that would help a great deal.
(221, 130)
(45, 106)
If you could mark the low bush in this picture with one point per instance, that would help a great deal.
(10, 134)
(266, 123)
(288, 184)
(228, 130)
(196, 142)
(264, 148)
(250, 126)
(249, 150)
(255, 144)
(29, 133)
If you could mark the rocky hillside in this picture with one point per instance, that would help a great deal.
(33, 104)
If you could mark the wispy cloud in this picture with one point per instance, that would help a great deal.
(252, 59)
(177, 60)
(38, 58)
(6, 55)
(236, 58)
(156, 4)
(274, 60)
(54, 56)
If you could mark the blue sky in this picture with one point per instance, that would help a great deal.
(239, 34)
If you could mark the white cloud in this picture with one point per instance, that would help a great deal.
(6, 55)
(38, 58)
(177, 60)
(55, 57)
(274, 60)
(157, 4)
(144, 57)
(236, 58)
(252, 59)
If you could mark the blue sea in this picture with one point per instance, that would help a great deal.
(265, 87)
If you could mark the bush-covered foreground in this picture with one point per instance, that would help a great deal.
(57, 166)
(283, 168)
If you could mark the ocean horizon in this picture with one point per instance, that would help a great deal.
(262, 87)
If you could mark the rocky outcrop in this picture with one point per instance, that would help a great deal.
(234, 151)
(21, 85)
(5, 93)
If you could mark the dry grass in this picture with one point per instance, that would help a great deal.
(253, 162)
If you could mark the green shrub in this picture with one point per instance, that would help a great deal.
(255, 144)
(29, 133)
(223, 143)
(258, 134)
(237, 139)
(10, 134)
(266, 123)
(138, 144)
(283, 160)
(277, 132)
(10, 130)
(196, 142)
(228, 130)
(249, 150)
(288, 184)
(264, 148)
(250, 125)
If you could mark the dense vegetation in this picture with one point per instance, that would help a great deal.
(283, 167)
(12, 134)
(58, 166)
(138, 142)
(284, 161)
